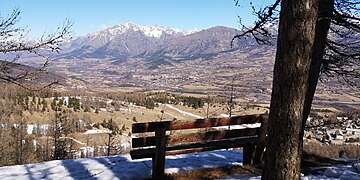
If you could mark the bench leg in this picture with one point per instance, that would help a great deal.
(260, 147)
(159, 159)
(248, 154)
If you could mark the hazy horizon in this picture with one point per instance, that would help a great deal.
(89, 16)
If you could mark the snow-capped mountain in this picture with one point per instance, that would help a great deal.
(130, 40)
(150, 31)
(123, 40)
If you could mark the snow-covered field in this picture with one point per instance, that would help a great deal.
(116, 167)
(122, 167)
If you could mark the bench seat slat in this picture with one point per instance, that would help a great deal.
(197, 123)
(196, 137)
(195, 147)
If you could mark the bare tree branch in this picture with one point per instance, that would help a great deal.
(342, 55)
(259, 32)
(14, 43)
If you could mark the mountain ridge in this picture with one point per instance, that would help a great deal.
(170, 61)
(130, 40)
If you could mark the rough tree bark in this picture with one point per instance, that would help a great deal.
(291, 71)
(326, 8)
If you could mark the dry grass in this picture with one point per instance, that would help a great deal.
(118, 89)
(332, 151)
(214, 173)
(340, 97)
(217, 109)
(191, 94)
(199, 87)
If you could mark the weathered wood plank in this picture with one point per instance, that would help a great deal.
(159, 158)
(196, 137)
(197, 123)
(195, 147)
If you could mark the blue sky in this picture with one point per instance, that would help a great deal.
(91, 15)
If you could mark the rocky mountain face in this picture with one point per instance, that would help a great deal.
(124, 40)
(149, 42)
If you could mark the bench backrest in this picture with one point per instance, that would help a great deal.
(198, 141)
(200, 136)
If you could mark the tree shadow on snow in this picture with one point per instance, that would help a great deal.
(77, 170)
(123, 168)
(186, 162)
(29, 172)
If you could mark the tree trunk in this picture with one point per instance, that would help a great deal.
(293, 58)
(108, 145)
(326, 8)
(47, 148)
(21, 149)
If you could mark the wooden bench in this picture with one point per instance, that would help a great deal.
(162, 144)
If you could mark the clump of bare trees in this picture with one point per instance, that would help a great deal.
(113, 141)
(16, 145)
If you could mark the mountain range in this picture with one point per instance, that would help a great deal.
(130, 40)
(157, 57)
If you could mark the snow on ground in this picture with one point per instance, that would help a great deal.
(242, 126)
(122, 167)
(75, 140)
(98, 131)
(116, 167)
(226, 115)
(183, 112)
(30, 128)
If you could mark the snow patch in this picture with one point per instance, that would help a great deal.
(98, 131)
(155, 31)
(183, 112)
(332, 173)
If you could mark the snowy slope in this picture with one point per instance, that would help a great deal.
(122, 167)
(116, 167)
